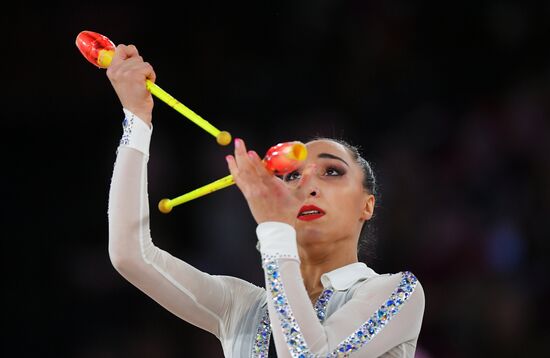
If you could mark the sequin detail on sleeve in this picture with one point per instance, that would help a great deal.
(366, 332)
(261, 343)
(291, 330)
(127, 126)
(321, 304)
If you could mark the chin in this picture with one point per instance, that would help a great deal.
(310, 234)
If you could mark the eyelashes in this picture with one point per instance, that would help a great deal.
(330, 171)
(295, 175)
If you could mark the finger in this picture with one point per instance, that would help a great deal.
(132, 50)
(258, 164)
(126, 65)
(132, 68)
(232, 165)
(123, 59)
(123, 52)
(241, 156)
(136, 65)
(235, 172)
(150, 72)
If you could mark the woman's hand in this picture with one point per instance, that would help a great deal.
(127, 74)
(269, 199)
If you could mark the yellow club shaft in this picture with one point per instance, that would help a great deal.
(166, 205)
(222, 137)
(181, 108)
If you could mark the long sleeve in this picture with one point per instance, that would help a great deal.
(204, 300)
(383, 317)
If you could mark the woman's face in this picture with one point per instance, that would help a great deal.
(335, 203)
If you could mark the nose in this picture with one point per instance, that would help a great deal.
(307, 181)
(307, 185)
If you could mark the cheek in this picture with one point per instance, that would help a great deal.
(348, 204)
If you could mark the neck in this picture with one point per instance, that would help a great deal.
(319, 259)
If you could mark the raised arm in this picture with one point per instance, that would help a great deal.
(201, 299)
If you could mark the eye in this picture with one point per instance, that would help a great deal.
(334, 172)
(292, 176)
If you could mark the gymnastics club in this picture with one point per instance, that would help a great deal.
(280, 159)
(99, 50)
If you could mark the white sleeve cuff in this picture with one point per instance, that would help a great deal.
(136, 133)
(277, 239)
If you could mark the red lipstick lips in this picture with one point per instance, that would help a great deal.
(309, 213)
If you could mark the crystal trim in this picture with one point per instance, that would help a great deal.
(367, 331)
(321, 304)
(127, 126)
(364, 334)
(261, 343)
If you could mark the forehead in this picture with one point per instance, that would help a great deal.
(316, 147)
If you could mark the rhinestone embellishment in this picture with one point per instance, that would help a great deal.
(378, 320)
(261, 343)
(364, 334)
(127, 126)
(321, 304)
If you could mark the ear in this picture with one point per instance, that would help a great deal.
(368, 207)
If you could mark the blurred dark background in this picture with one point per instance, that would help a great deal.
(448, 100)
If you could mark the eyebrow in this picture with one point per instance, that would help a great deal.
(331, 156)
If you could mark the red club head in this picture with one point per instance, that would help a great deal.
(285, 157)
(96, 48)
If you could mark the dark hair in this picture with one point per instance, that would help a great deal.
(367, 238)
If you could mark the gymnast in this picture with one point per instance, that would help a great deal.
(319, 300)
